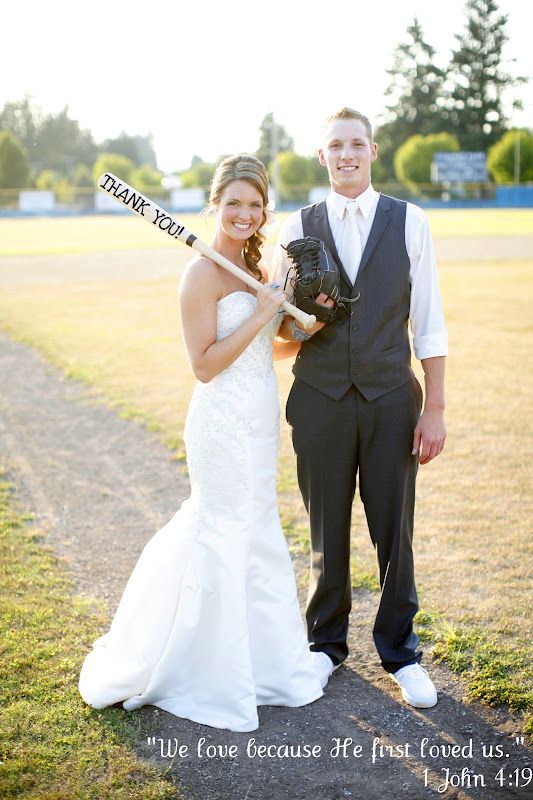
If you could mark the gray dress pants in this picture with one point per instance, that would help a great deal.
(335, 441)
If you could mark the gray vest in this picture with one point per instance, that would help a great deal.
(370, 347)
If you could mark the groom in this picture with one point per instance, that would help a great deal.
(355, 407)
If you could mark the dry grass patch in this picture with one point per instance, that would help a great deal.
(97, 234)
(472, 502)
(54, 747)
(472, 541)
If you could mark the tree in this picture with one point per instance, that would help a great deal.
(501, 157)
(145, 178)
(416, 88)
(120, 166)
(46, 179)
(318, 173)
(200, 175)
(139, 149)
(56, 142)
(14, 167)
(388, 140)
(62, 144)
(81, 176)
(53, 141)
(23, 119)
(412, 161)
(416, 98)
(476, 106)
(295, 176)
(284, 141)
(380, 172)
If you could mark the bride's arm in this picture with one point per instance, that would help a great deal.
(200, 291)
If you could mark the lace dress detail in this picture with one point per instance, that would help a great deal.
(226, 403)
(209, 625)
(257, 358)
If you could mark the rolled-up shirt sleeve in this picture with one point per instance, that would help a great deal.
(426, 316)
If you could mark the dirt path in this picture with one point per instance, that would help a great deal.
(145, 264)
(100, 487)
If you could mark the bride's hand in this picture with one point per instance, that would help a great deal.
(269, 300)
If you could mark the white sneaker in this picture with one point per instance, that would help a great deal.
(324, 666)
(416, 685)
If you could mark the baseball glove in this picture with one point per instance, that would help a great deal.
(313, 272)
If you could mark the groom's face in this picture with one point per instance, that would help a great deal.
(347, 152)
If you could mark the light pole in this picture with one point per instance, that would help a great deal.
(274, 150)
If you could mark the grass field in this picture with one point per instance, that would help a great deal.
(53, 746)
(41, 236)
(472, 538)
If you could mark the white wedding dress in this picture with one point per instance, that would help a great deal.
(209, 625)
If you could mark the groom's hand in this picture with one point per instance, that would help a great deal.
(323, 300)
(430, 435)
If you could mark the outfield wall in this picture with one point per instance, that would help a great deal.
(26, 203)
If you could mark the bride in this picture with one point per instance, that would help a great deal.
(209, 625)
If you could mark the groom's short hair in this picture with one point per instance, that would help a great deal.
(350, 113)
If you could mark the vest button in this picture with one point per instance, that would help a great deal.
(355, 352)
(355, 328)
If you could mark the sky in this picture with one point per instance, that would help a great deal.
(200, 76)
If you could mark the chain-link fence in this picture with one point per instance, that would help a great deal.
(75, 200)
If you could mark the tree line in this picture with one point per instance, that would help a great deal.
(51, 151)
(464, 105)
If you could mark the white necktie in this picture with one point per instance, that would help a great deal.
(351, 242)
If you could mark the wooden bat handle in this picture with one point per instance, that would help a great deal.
(307, 320)
(134, 201)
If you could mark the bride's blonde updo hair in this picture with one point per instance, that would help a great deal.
(243, 168)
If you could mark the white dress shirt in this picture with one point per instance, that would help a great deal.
(426, 317)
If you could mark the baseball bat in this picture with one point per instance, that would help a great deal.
(148, 210)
